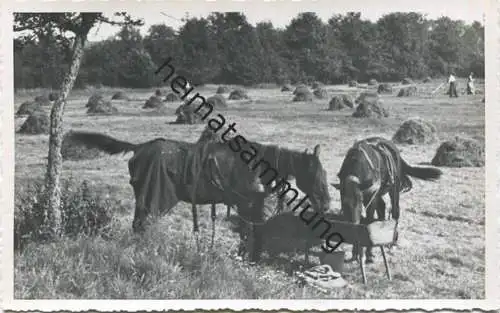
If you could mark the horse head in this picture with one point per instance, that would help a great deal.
(311, 178)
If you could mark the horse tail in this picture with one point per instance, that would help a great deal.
(425, 173)
(103, 142)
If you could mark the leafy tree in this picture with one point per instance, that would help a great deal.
(238, 47)
(198, 58)
(404, 41)
(70, 30)
(304, 37)
(161, 42)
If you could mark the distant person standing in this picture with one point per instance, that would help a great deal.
(470, 84)
(453, 85)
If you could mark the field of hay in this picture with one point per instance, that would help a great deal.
(441, 251)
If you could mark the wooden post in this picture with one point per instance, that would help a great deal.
(361, 252)
(387, 270)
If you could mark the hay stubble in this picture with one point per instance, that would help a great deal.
(441, 232)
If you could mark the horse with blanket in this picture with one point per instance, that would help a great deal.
(372, 168)
(164, 172)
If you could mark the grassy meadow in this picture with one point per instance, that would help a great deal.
(441, 251)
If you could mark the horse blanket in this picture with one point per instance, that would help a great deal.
(164, 172)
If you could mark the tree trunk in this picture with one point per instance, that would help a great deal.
(53, 216)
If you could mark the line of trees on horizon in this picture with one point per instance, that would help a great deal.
(224, 48)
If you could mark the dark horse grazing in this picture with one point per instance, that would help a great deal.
(208, 135)
(372, 168)
(164, 172)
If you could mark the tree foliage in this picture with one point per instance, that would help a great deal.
(226, 48)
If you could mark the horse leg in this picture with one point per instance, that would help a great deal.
(213, 215)
(281, 205)
(257, 220)
(228, 214)
(138, 223)
(370, 217)
(196, 231)
(242, 208)
(394, 195)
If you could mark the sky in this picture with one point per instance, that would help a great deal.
(280, 13)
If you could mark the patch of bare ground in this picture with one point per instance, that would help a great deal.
(441, 252)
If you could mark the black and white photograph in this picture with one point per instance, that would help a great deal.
(175, 152)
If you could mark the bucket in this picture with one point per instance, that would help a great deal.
(335, 259)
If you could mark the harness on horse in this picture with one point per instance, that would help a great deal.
(383, 155)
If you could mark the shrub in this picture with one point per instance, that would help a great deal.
(83, 210)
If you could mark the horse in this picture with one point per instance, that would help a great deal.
(163, 172)
(372, 168)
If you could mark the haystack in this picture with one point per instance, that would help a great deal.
(353, 83)
(26, 108)
(372, 82)
(53, 96)
(97, 105)
(316, 85)
(186, 114)
(302, 94)
(238, 94)
(301, 89)
(218, 101)
(320, 93)
(286, 87)
(367, 95)
(370, 107)
(407, 81)
(384, 88)
(75, 150)
(172, 97)
(409, 91)
(415, 131)
(340, 102)
(120, 95)
(94, 100)
(222, 89)
(152, 102)
(460, 152)
(37, 123)
(43, 100)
